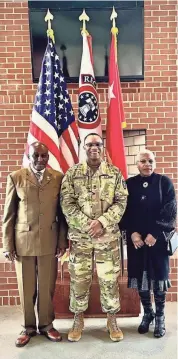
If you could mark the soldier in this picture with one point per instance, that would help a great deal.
(34, 238)
(93, 199)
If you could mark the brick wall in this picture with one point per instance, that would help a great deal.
(149, 105)
(134, 141)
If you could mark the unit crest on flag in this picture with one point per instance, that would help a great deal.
(88, 107)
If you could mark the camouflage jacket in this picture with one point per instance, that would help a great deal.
(86, 196)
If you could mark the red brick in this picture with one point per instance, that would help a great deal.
(5, 300)
(3, 280)
(21, 10)
(18, 301)
(8, 286)
(1, 268)
(3, 293)
(168, 297)
(174, 297)
(9, 267)
(12, 280)
(14, 5)
(12, 301)
(174, 290)
(14, 293)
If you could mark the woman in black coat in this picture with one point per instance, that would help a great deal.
(150, 215)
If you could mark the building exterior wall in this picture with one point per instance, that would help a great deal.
(150, 105)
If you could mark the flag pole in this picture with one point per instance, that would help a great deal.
(113, 17)
(114, 29)
(84, 17)
(50, 32)
(115, 32)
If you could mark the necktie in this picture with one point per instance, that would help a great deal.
(39, 176)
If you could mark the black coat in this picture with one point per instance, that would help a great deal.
(151, 209)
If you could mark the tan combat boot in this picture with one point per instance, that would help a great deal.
(75, 332)
(115, 333)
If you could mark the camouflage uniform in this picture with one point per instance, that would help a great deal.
(86, 196)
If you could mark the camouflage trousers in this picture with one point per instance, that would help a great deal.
(81, 268)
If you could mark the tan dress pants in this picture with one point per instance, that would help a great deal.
(36, 278)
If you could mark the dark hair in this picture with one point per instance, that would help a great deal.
(92, 134)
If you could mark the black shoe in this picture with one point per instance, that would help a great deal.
(160, 329)
(147, 319)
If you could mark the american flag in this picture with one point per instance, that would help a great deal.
(52, 121)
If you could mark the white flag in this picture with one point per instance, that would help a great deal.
(89, 120)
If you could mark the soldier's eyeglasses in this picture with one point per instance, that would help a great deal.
(145, 161)
(96, 144)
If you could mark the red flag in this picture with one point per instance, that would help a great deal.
(89, 115)
(115, 122)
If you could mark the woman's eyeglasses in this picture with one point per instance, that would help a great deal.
(145, 161)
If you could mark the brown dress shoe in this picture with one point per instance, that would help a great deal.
(52, 334)
(24, 338)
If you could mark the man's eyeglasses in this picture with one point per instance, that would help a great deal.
(95, 144)
(145, 161)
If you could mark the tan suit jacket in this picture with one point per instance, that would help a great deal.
(33, 223)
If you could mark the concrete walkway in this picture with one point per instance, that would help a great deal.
(95, 342)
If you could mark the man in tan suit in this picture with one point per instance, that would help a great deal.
(35, 235)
